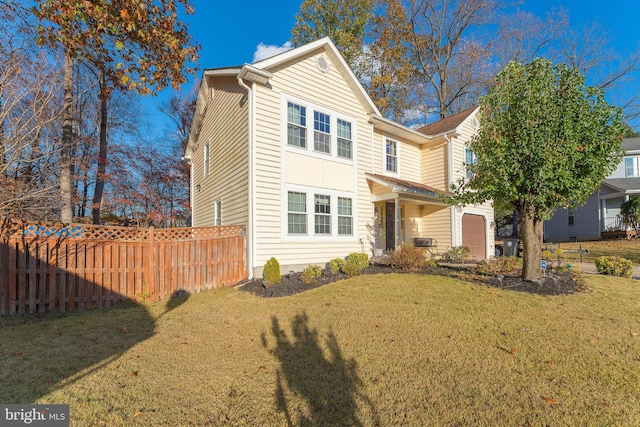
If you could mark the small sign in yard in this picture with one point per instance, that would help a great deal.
(544, 264)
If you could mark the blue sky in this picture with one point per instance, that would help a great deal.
(231, 32)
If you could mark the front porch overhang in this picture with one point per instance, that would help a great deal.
(399, 192)
(405, 191)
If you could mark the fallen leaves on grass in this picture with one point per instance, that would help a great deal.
(137, 414)
(550, 400)
(134, 373)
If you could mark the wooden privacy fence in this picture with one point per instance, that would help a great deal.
(52, 267)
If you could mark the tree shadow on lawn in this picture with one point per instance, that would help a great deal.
(328, 386)
(43, 353)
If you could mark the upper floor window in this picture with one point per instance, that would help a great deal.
(469, 159)
(329, 133)
(206, 159)
(321, 132)
(344, 139)
(631, 167)
(296, 125)
(391, 156)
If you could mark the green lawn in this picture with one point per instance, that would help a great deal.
(373, 350)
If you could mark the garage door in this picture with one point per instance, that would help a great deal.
(473, 235)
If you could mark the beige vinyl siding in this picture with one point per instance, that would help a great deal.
(435, 167)
(330, 91)
(436, 223)
(225, 128)
(410, 158)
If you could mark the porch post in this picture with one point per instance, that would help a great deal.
(398, 230)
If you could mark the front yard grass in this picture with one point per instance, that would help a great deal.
(395, 349)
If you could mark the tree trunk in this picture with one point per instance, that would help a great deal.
(531, 231)
(102, 154)
(66, 193)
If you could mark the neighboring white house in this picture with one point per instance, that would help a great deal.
(600, 215)
(293, 148)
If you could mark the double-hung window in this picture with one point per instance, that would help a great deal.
(571, 215)
(345, 143)
(631, 167)
(470, 159)
(296, 125)
(322, 214)
(321, 132)
(391, 156)
(297, 213)
(345, 217)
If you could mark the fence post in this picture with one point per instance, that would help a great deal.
(4, 266)
(151, 266)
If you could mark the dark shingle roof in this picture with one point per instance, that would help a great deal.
(630, 144)
(624, 184)
(409, 186)
(447, 124)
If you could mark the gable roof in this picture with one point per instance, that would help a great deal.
(331, 50)
(448, 124)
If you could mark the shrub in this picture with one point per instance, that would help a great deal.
(310, 274)
(408, 257)
(458, 253)
(271, 271)
(336, 265)
(356, 262)
(546, 254)
(503, 264)
(614, 265)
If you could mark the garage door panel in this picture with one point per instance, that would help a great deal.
(474, 235)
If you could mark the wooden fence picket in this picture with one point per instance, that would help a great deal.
(55, 267)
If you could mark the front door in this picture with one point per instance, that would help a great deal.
(390, 225)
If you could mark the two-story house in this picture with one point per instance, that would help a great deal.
(293, 148)
(600, 217)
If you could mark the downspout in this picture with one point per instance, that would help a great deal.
(454, 222)
(251, 205)
(192, 192)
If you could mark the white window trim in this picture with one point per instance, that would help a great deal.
(474, 161)
(217, 211)
(309, 149)
(206, 162)
(311, 236)
(635, 165)
(384, 156)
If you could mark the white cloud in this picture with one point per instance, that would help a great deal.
(264, 51)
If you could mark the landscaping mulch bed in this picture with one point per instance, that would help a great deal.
(551, 284)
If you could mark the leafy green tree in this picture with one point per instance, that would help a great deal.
(630, 212)
(546, 140)
(342, 20)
